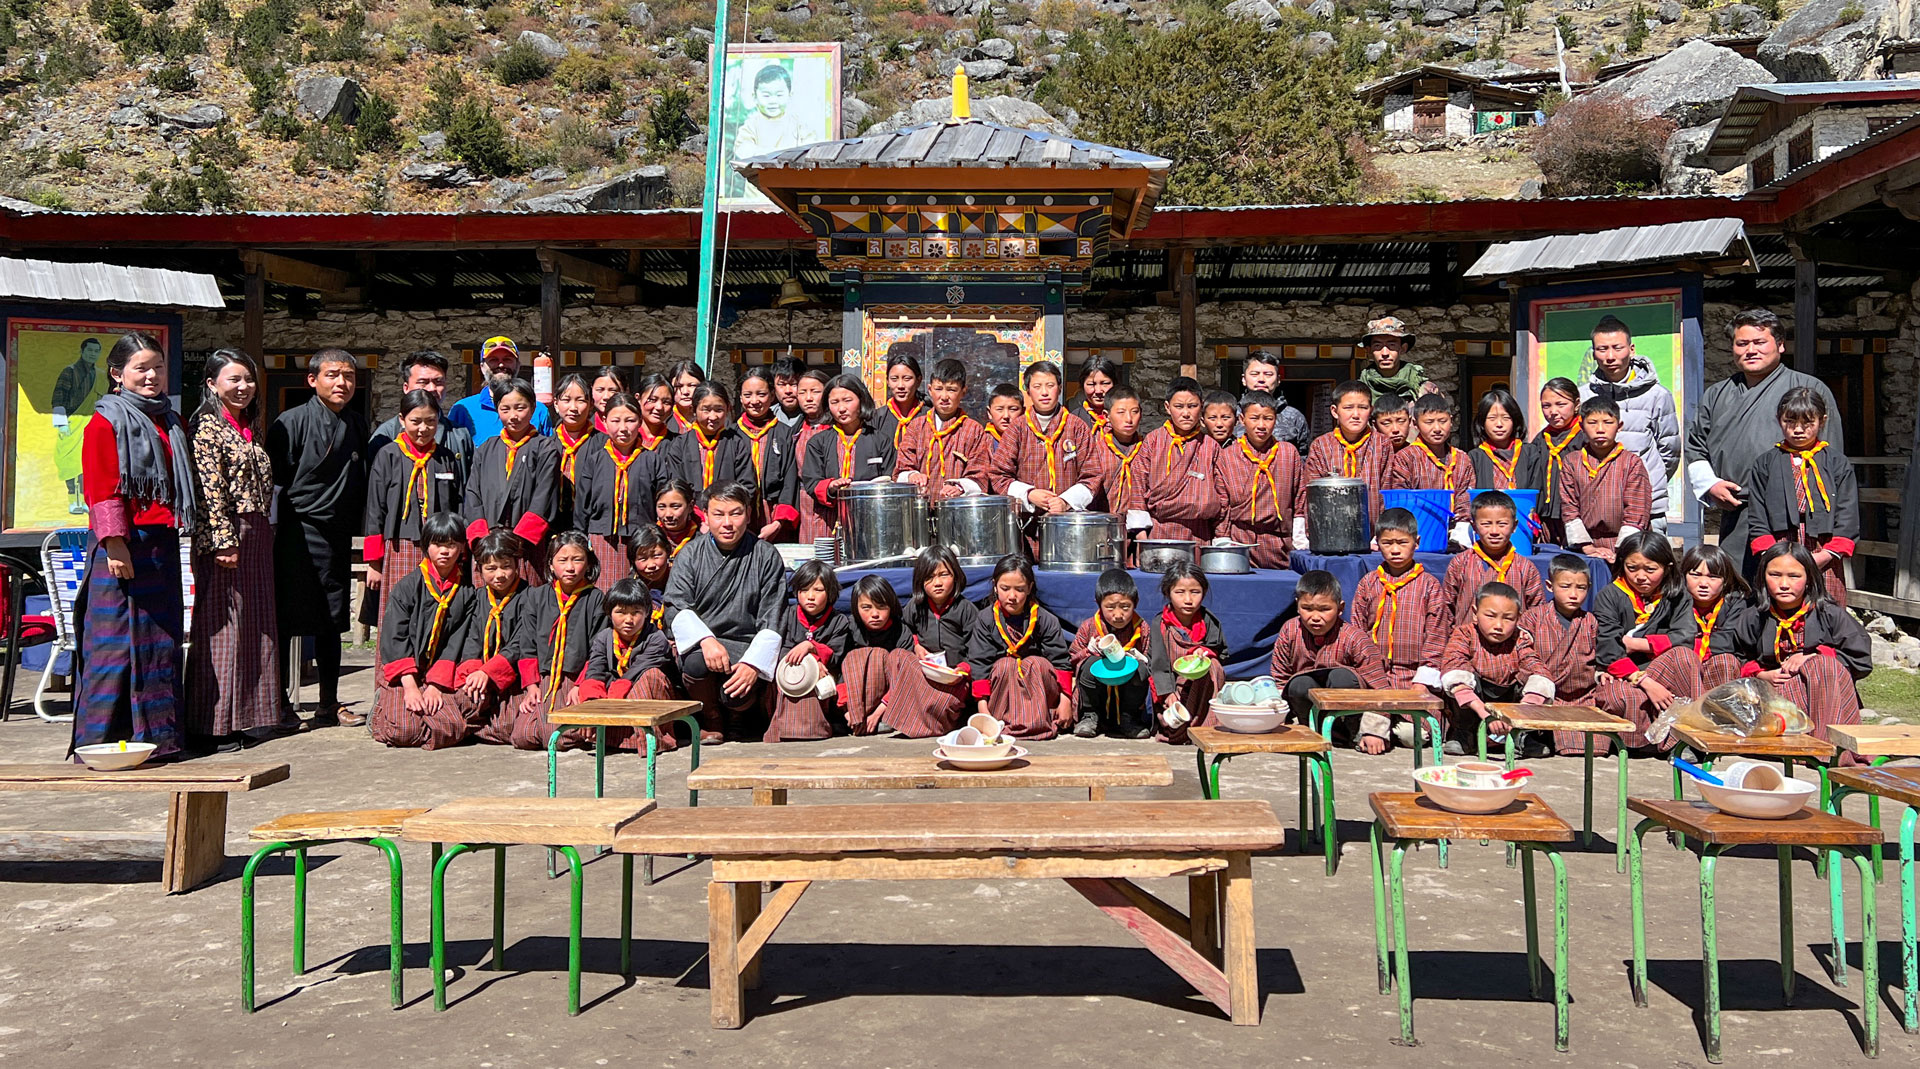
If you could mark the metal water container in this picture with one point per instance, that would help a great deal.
(881, 520)
(1159, 554)
(1337, 516)
(1081, 541)
(979, 528)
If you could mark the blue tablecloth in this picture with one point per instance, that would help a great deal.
(1349, 569)
(1250, 607)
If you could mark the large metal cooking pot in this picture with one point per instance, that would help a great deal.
(1157, 554)
(881, 520)
(1226, 558)
(1081, 541)
(1337, 516)
(980, 529)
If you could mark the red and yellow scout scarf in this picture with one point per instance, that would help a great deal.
(903, 420)
(1553, 455)
(1096, 416)
(680, 423)
(1051, 440)
(496, 629)
(1504, 468)
(1808, 475)
(1594, 469)
(1784, 628)
(1196, 635)
(939, 435)
(418, 477)
(1642, 610)
(759, 439)
(709, 450)
(513, 449)
(623, 655)
(1499, 566)
(680, 541)
(1350, 453)
(1705, 624)
(847, 444)
(563, 602)
(1177, 442)
(1445, 466)
(1135, 634)
(1125, 468)
(1262, 469)
(1390, 589)
(622, 466)
(1013, 644)
(994, 429)
(570, 450)
(650, 441)
(442, 598)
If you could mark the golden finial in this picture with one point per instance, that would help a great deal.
(962, 107)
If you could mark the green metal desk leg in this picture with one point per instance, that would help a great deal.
(1200, 766)
(246, 920)
(1329, 826)
(300, 910)
(1483, 739)
(1309, 782)
(1379, 908)
(1836, 911)
(396, 921)
(693, 796)
(553, 791)
(1786, 923)
(438, 923)
(574, 889)
(1710, 951)
(653, 759)
(1402, 974)
(1433, 739)
(626, 914)
(1869, 957)
(1586, 798)
(1532, 921)
(1873, 818)
(1620, 801)
(1513, 756)
(1909, 958)
(1637, 979)
(600, 773)
(1213, 774)
(499, 909)
(1561, 1024)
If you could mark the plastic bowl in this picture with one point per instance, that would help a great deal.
(986, 752)
(109, 757)
(1443, 786)
(939, 674)
(1192, 666)
(1793, 796)
(1247, 719)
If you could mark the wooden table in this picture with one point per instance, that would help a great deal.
(1097, 847)
(497, 823)
(638, 714)
(1407, 818)
(1709, 833)
(1900, 785)
(1877, 740)
(771, 778)
(1330, 703)
(196, 844)
(1213, 746)
(1588, 721)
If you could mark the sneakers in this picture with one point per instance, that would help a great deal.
(1453, 748)
(1086, 727)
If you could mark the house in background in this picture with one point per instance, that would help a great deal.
(1774, 130)
(1433, 102)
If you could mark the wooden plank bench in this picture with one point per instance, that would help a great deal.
(771, 778)
(196, 844)
(1099, 848)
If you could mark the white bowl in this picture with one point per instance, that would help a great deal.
(940, 674)
(972, 763)
(110, 757)
(952, 747)
(1443, 786)
(1247, 719)
(1793, 796)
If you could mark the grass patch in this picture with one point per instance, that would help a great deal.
(1893, 691)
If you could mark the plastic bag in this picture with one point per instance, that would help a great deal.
(1749, 708)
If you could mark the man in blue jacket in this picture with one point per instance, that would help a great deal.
(476, 413)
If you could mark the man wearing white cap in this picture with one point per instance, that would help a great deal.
(476, 412)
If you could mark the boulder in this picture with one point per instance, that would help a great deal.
(853, 112)
(639, 16)
(796, 14)
(1318, 43)
(624, 137)
(326, 96)
(127, 116)
(1683, 165)
(985, 70)
(1437, 16)
(1321, 9)
(543, 44)
(198, 117)
(636, 190)
(1005, 110)
(1669, 12)
(433, 143)
(1490, 7)
(1740, 19)
(1832, 40)
(1689, 85)
(501, 190)
(549, 173)
(1377, 51)
(1260, 11)
(438, 175)
(995, 48)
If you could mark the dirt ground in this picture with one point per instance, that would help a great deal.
(1466, 172)
(98, 968)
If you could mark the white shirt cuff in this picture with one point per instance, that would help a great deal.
(1627, 529)
(1078, 496)
(1700, 476)
(1459, 678)
(1426, 676)
(972, 488)
(1540, 685)
(1138, 520)
(1577, 533)
(1019, 491)
(689, 630)
(1300, 534)
(762, 653)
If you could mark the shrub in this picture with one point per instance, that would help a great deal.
(520, 62)
(280, 124)
(345, 42)
(220, 147)
(326, 144)
(445, 38)
(578, 144)
(217, 189)
(672, 119)
(445, 91)
(157, 6)
(1600, 145)
(68, 59)
(496, 18)
(373, 126)
(173, 78)
(374, 196)
(1569, 36)
(584, 74)
(265, 34)
(177, 194)
(1636, 29)
(72, 160)
(213, 12)
(1852, 13)
(476, 138)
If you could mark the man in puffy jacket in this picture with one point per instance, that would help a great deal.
(1649, 424)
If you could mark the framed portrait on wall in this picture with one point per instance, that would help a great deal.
(774, 96)
(56, 370)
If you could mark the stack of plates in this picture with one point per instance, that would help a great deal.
(827, 548)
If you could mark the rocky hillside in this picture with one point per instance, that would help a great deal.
(339, 105)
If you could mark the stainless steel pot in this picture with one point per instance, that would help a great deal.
(880, 520)
(1155, 554)
(1337, 516)
(1232, 558)
(1081, 541)
(980, 529)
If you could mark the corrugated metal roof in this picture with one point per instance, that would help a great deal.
(1714, 239)
(973, 143)
(46, 280)
(1751, 104)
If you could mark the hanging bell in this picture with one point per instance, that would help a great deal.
(791, 293)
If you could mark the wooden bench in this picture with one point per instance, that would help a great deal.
(1213, 746)
(642, 715)
(196, 843)
(1099, 848)
(771, 778)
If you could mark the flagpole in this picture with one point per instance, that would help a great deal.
(704, 312)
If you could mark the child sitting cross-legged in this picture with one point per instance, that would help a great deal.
(1017, 655)
(870, 665)
(416, 702)
(1318, 649)
(629, 657)
(555, 627)
(812, 629)
(1489, 659)
(1122, 704)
